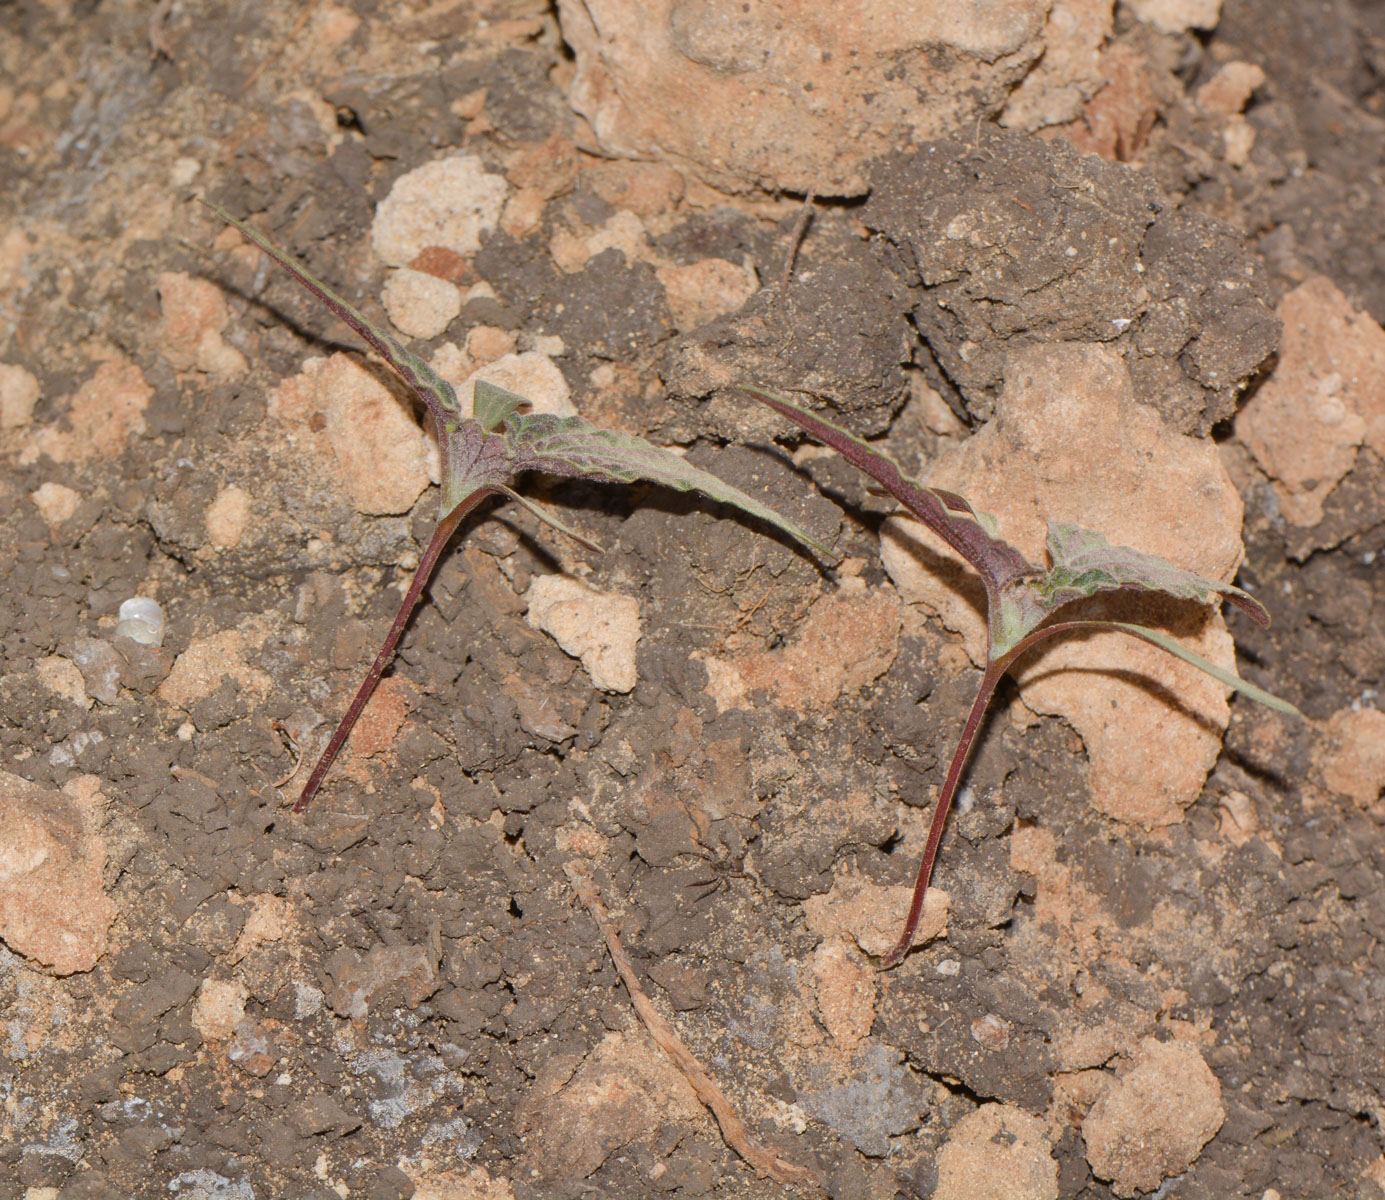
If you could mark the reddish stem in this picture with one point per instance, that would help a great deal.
(994, 672)
(441, 536)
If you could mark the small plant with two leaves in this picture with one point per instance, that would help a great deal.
(1021, 598)
(484, 454)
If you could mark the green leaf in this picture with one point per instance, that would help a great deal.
(1175, 647)
(1085, 563)
(493, 404)
(430, 387)
(572, 447)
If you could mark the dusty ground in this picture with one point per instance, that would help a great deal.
(1120, 266)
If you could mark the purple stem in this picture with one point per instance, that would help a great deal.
(441, 536)
(994, 672)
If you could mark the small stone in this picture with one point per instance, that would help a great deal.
(523, 213)
(448, 203)
(705, 290)
(420, 305)
(1227, 92)
(377, 452)
(252, 1049)
(104, 414)
(1325, 398)
(55, 502)
(486, 344)
(227, 517)
(873, 915)
(622, 231)
(62, 677)
(405, 972)
(1353, 760)
(53, 908)
(199, 670)
(19, 392)
(219, 1008)
(600, 628)
(991, 1032)
(846, 993)
(194, 315)
(1152, 1122)
(998, 1152)
(1178, 16)
(271, 918)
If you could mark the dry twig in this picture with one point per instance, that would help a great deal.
(765, 1162)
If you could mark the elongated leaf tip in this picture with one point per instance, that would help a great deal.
(1176, 648)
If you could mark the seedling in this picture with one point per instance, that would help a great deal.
(482, 455)
(1021, 597)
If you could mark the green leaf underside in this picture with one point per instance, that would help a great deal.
(493, 404)
(572, 447)
(970, 533)
(430, 387)
(1085, 563)
(1176, 648)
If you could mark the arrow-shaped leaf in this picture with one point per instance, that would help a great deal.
(1085, 563)
(570, 446)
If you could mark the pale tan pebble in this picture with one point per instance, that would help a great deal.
(227, 517)
(846, 993)
(194, 314)
(377, 452)
(1325, 398)
(199, 670)
(705, 290)
(55, 502)
(1152, 1121)
(19, 393)
(62, 677)
(998, 1152)
(219, 1008)
(105, 413)
(420, 305)
(523, 212)
(1227, 92)
(873, 914)
(1177, 16)
(600, 628)
(486, 343)
(448, 203)
(53, 908)
(1352, 756)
